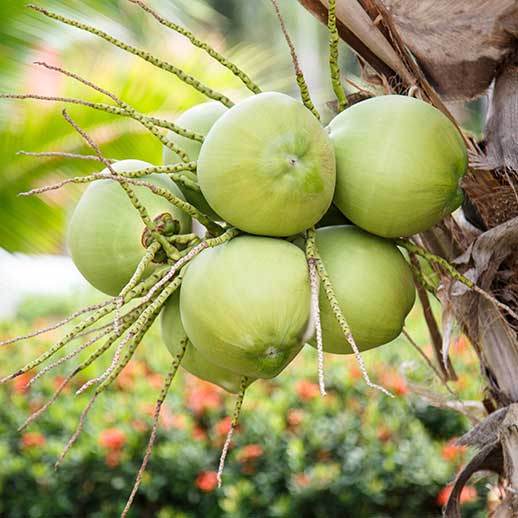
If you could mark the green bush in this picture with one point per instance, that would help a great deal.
(354, 453)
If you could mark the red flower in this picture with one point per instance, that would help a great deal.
(394, 382)
(112, 438)
(32, 439)
(354, 371)
(222, 427)
(113, 458)
(202, 396)
(452, 453)
(461, 345)
(384, 433)
(295, 417)
(134, 370)
(155, 380)
(468, 494)
(139, 425)
(199, 433)
(301, 479)
(307, 390)
(250, 452)
(58, 381)
(20, 383)
(207, 481)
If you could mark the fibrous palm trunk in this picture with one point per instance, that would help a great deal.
(447, 51)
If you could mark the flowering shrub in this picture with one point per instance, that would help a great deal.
(354, 452)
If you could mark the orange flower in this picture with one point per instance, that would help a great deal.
(222, 427)
(207, 481)
(295, 417)
(58, 381)
(354, 371)
(461, 345)
(112, 438)
(394, 382)
(468, 494)
(452, 453)
(307, 390)
(199, 433)
(155, 380)
(250, 452)
(20, 383)
(202, 396)
(301, 479)
(139, 425)
(32, 440)
(113, 458)
(130, 373)
(384, 433)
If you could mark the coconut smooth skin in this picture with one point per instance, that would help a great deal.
(399, 162)
(105, 231)
(373, 284)
(193, 361)
(199, 118)
(267, 166)
(245, 305)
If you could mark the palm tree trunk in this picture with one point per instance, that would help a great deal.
(458, 50)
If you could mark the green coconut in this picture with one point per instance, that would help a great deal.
(246, 304)
(373, 284)
(267, 166)
(193, 361)
(399, 162)
(199, 118)
(105, 231)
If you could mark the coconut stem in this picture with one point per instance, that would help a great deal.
(61, 323)
(169, 249)
(454, 273)
(202, 45)
(127, 320)
(104, 309)
(61, 154)
(233, 424)
(113, 110)
(315, 309)
(136, 334)
(135, 279)
(163, 65)
(333, 57)
(130, 111)
(156, 416)
(171, 170)
(301, 81)
(69, 356)
(337, 311)
(78, 431)
(205, 220)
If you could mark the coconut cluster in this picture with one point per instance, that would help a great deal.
(385, 168)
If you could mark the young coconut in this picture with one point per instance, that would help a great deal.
(246, 304)
(399, 161)
(373, 284)
(199, 119)
(267, 166)
(193, 361)
(106, 236)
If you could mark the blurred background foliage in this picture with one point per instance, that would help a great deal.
(354, 453)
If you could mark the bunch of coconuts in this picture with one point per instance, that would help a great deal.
(391, 165)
